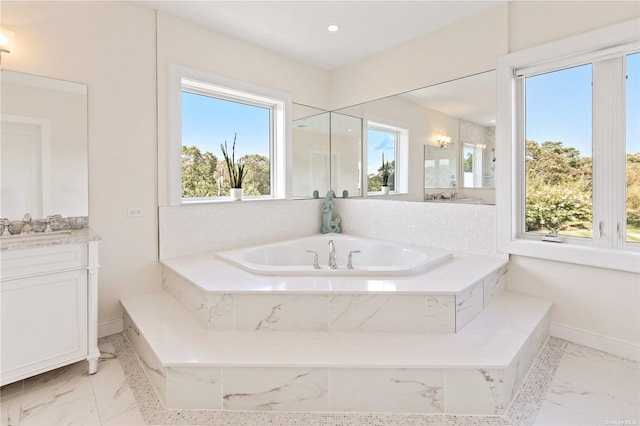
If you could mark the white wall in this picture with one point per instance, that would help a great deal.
(468, 47)
(110, 46)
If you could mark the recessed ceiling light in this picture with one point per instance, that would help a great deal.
(333, 28)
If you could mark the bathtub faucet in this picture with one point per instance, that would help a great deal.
(332, 256)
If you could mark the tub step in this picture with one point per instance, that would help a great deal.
(475, 371)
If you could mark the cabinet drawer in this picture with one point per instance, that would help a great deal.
(41, 260)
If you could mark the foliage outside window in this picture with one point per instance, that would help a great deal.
(569, 134)
(558, 168)
(382, 143)
(205, 122)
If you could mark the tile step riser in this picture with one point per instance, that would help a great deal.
(394, 388)
(412, 313)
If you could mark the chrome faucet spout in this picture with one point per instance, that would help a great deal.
(332, 255)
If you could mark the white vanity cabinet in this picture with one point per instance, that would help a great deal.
(49, 308)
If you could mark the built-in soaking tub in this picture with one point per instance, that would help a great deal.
(369, 257)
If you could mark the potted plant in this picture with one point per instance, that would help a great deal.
(385, 176)
(235, 168)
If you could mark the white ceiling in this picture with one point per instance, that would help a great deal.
(298, 29)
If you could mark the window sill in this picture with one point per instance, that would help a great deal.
(621, 259)
(224, 200)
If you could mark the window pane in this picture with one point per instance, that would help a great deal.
(633, 147)
(208, 122)
(558, 123)
(381, 150)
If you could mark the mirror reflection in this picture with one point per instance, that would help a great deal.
(451, 125)
(311, 150)
(43, 147)
(327, 149)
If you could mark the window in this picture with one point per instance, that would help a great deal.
(386, 156)
(558, 153)
(211, 112)
(568, 131)
(633, 148)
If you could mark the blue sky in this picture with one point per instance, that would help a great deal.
(207, 122)
(558, 107)
(379, 142)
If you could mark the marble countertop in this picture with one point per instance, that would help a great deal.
(40, 239)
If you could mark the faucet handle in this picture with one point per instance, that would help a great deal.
(350, 258)
(315, 259)
(48, 221)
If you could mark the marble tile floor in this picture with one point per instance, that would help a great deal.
(569, 384)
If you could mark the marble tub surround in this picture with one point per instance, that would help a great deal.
(122, 395)
(41, 239)
(472, 372)
(223, 297)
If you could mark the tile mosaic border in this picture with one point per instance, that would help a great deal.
(522, 411)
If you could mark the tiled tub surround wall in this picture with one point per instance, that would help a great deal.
(476, 371)
(443, 300)
(462, 228)
(200, 228)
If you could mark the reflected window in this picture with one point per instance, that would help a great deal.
(387, 160)
(381, 166)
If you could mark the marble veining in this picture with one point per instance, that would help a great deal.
(374, 312)
(531, 405)
(441, 314)
(283, 389)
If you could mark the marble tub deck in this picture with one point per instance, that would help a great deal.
(475, 371)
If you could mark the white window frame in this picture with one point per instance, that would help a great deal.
(195, 81)
(401, 178)
(606, 249)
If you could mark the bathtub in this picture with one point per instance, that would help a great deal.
(375, 257)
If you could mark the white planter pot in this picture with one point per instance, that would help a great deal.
(236, 194)
(385, 190)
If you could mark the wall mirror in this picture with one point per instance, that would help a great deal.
(451, 128)
(43, 147)
(327, 148)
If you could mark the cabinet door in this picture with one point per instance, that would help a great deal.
(44, 323)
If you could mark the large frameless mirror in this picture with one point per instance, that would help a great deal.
(43, 149)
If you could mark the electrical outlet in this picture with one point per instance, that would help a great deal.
(135, 212)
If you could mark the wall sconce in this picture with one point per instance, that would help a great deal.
(6, 41)
(444, 141)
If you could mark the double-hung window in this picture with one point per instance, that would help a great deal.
(210, 111)
(569, 141)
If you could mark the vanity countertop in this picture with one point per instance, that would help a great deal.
(41, 239)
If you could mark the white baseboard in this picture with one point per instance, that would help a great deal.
(616, 347)
(109, 328)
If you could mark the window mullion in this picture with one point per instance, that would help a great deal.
(608, 153)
